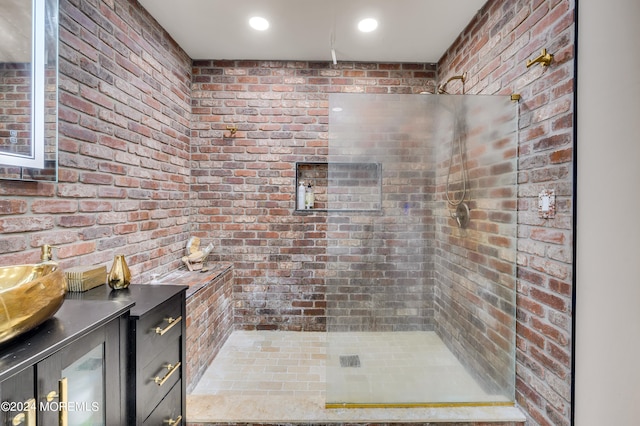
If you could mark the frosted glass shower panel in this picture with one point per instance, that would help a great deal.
(380, 285)
(419, 310)
(475, 266)
(382, 257)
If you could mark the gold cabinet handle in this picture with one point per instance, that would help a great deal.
(28, 416)
(31, 412)
(51, 396)
(172, 422)
(18, 419)
(172, 321)
(172, 369)
(62, 393)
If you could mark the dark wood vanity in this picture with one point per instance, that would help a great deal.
(157, 348)
(78, 356)
(108, 357)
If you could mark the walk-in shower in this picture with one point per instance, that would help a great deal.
(420, 309)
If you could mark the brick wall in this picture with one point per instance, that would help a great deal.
(124, 120)
(243, 188)
(493, 50)
(209, 321)
(125, 130)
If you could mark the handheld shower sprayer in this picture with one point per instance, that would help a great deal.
(456, 194)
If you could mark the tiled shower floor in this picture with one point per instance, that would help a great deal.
(276, 376)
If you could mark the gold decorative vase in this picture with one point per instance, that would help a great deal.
(119, 276)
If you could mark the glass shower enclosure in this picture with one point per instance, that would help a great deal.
(421, 197)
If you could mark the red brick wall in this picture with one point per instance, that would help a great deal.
(124, 120)
(243, 190)
(493, 50)
(125, 130)
(209, 322)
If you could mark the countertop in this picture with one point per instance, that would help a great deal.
(145, 296)
(74, 319)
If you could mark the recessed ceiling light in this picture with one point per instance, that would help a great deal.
(259, 23)
(367, 25)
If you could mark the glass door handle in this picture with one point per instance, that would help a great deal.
(62, 393)
(63, 399)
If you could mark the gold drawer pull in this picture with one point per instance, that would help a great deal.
(172, 422)
(172, 321)
(172, 369)
(28, 416)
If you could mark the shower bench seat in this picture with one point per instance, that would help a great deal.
(209, 314)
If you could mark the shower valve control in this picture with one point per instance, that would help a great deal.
(461, 215)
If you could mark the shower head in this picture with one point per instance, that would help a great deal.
(442, 89)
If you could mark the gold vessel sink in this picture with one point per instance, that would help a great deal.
(29, 295)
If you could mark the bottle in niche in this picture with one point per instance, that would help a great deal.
(309, 197)
(301, 196)
(119, 276)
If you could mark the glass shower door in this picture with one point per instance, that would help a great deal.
(419, 309)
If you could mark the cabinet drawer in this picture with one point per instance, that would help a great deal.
(157, 377)
(162, 325)
(169, 410)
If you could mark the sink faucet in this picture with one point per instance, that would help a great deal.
(45, 252)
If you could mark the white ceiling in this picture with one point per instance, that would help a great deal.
(408, 30)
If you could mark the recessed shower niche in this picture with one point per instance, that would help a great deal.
(339, 186)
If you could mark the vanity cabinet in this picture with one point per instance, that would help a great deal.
(105, 358)
(69, 370)
(156, 377)
(157, 355)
